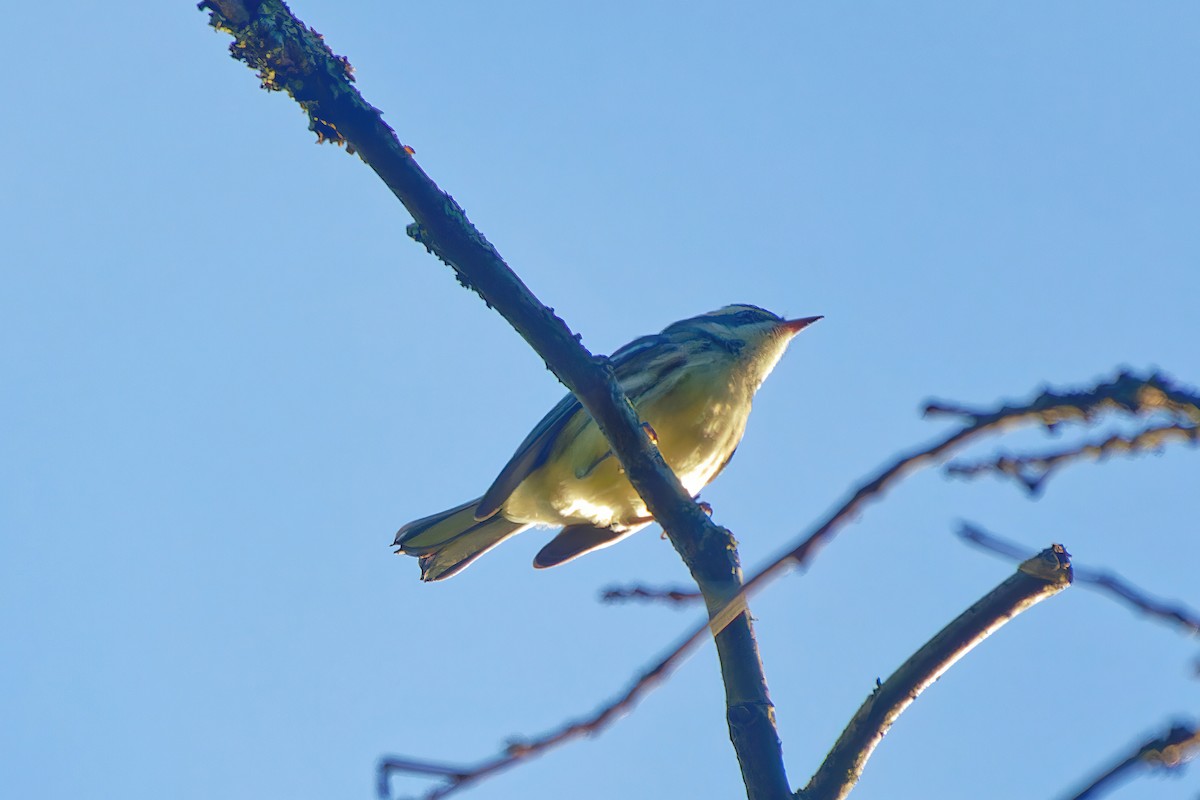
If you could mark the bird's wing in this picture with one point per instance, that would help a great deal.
(574, 541)
(636, 370)
(530, 455)
(646, 362)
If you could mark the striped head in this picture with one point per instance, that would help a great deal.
(755, 337)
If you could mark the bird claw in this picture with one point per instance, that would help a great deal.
(650, 432)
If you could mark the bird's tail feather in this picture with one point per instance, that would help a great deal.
(446, 543)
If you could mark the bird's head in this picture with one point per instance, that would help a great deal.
(756, 337)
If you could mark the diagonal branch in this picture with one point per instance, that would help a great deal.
(1174, 613)
(1038, 578)
(291, 57)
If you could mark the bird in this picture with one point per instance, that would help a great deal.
(692, 385)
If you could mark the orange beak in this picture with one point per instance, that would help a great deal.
(794, 326)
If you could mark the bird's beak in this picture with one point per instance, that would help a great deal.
(794, 326)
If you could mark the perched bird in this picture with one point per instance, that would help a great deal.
(692, 385)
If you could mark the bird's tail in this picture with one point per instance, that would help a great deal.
(446, 543)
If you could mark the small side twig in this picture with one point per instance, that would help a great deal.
(1172, 750)
(678, 597)
(459, 777)
(1175, 613)
(1036, 579)
(1032, 471)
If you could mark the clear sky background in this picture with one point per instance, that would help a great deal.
(229, 377)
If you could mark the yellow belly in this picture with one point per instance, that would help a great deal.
(581, 482)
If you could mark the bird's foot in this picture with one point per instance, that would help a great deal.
(650, 432)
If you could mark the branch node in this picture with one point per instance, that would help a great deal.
(1052, 565)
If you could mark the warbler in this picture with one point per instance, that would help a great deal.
(692, 385)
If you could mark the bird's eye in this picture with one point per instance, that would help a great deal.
(751, 315)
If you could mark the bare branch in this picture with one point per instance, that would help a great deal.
(679, 597)
(1172, 750)
(289, 56)
(1175, 613)
(1032, 471)
(1036, 579)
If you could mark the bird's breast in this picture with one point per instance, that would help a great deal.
(697, 425)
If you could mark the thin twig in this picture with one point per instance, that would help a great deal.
(1172, 750)
(679, 597)
(1114, 585)
(460, 777)
(1032, 471)
(1035, 580)
(1155, 394)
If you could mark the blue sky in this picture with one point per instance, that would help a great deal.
(230, 376)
